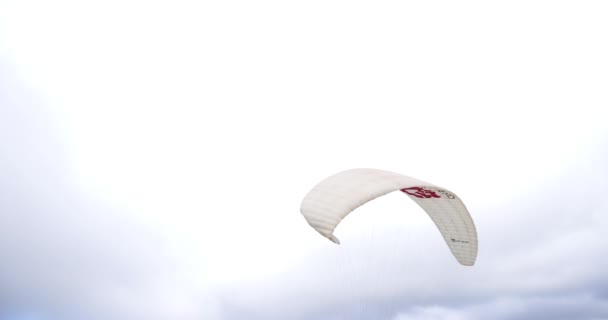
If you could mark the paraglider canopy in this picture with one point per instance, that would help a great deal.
(335, 197)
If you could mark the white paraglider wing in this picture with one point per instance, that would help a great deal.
(335, 197)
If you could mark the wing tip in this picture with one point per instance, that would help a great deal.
(467, 263)
(333, 239)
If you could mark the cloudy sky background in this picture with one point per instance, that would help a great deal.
(154, 155)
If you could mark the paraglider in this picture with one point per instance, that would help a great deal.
(334, 198)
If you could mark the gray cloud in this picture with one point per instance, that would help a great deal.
(549, 307)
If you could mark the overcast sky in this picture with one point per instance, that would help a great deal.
(153, 156)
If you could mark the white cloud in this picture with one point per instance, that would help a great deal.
(69, 254)
(188, 132)
(551, 243)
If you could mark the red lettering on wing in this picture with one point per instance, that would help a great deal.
(420, 192)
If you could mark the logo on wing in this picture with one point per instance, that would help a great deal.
(458, 241)
(447, 194)
(419, 192)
